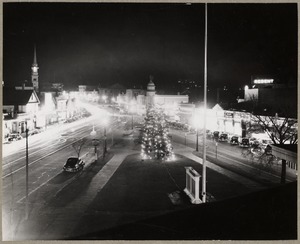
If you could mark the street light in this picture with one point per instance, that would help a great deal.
(204, 115)
(93, 133)
(197, 123)
(95, 141)
(216, 149)
(26, 204)
(105, 121)
(197, 135)
(132, 121)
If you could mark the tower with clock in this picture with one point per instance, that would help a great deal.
(34, 73)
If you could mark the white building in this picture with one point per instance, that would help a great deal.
(137, 100)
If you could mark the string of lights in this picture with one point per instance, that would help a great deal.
(156, 143)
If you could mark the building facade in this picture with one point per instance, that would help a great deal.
(137, 100)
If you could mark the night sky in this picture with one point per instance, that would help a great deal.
(96, 43)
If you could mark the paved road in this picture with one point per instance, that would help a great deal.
(55, 196)
(230, 157)
(48, 152)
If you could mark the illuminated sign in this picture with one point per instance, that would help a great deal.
(263, 81)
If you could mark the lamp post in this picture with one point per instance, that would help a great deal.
(203, 193)
(132, 121)
(26, 204)
(104, 145)
(197, 124)
(112, 137)
(216, 149)
(105, 121)
(95, 142)
(197, 139)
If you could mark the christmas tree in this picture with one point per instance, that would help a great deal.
(155, 140)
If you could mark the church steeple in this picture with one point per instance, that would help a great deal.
(34, 58)
(34, 73)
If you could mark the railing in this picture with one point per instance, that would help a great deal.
(192, 185)
(292, 165)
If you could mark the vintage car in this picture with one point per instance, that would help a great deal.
(234, 140)
(14, 137)
(223, 137)
(245, 142)
(73, 164)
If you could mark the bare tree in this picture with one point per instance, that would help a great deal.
(78, 145)
(279, 123)
(280, 130)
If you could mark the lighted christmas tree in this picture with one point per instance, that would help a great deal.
(155, 140)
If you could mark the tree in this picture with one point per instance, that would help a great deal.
(278, 122)
(155, 139)
(280, 130)
(78, 145)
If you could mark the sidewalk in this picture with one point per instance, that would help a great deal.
(188, 152)
(55, 220)
(142, 189)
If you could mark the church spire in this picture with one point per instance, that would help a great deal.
(34, 73)
(34, 57)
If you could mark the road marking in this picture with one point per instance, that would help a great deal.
(19, 201)
(35, 152)
(8, 164)
(40, 158)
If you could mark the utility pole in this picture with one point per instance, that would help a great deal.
(26, 203)
(95, 142)
(197, 143)
(204, 115)
(216, 150)
(105, 147)
(132, 121)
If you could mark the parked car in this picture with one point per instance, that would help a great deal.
(34, 132)
(14, 137)
(245, 142)
(216, 135)
(234, 140)
(223, 137)
(73, 164)
(254, 142)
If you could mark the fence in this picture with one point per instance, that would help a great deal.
(192, 185)
(292, 165)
